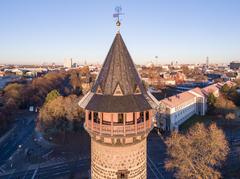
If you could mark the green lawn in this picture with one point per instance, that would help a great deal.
(195, 119)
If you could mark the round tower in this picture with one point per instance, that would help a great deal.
(118, 117)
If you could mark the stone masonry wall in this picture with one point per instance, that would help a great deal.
(108, 160)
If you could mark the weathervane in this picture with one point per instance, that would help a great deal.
(118, 12)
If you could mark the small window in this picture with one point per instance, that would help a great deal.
(120, 118)
(122, 175)
(95, 117)
(90, 115)
(134, 118)
(147, 115)
(141, 117)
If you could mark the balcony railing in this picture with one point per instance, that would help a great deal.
(118, 129)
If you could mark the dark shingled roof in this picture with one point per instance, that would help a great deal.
(118, 70)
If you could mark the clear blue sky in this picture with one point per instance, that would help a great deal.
(37, 31)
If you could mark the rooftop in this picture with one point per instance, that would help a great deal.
(118, 87)
(178, 99)
(210, 89)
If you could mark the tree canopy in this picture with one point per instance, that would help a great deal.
(22, 93)
(223, 105)
(60, 114)
(225, 89)
(211, 99)
(198, 153)
(52, 95)
(12, 95)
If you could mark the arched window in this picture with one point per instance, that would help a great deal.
(120, 118)
(90, 115)
(147, 115)
(134, 118)
(95, 117)
(141, 117)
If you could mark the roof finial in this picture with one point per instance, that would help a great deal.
(118, 11)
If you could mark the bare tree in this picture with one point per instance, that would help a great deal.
(197, 153)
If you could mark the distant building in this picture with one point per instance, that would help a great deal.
(151, 64)
(169, 82)
(214, 89)
(17, 71)
(68, 63)
(175, 110)
(207, 62)
(165, 67)
(213, 76)
(2, 73)
(75, 65)
(191, 67)
(31, 74)
(235, 65)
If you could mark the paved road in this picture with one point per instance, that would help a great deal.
(231, 165)
(4, 80)
(53, 171)
(24, 128)
(156, 155)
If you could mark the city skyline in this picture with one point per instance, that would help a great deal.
(186, 31)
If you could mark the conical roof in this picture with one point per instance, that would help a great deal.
(118, 87)
(118, 69)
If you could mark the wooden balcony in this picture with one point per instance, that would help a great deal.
(118, 129)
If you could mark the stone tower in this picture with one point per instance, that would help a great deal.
(118, 117)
